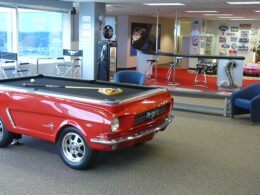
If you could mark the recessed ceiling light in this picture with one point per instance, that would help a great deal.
(217, 14)
(202, 11)
(231, 17)
(244, 3)
(164, 4)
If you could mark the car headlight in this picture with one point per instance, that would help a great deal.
(115, 125)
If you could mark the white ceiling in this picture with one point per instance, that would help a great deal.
(136, 7)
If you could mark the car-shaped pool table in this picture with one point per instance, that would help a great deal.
(79, 119)
(251, 69)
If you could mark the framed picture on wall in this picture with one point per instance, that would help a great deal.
(143, 37)
(234, 28)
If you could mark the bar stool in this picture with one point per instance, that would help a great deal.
(201, 69)
(151, 63)
(62, 68)
(76, 68)
(172, 68)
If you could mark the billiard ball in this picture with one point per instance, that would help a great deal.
(32, 80)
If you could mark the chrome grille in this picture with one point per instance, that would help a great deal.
(151, 114)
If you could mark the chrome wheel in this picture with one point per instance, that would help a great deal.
(73, 147)
(1, 129)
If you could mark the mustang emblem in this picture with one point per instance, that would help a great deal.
(152, 114)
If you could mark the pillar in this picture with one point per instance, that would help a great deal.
(90, 32)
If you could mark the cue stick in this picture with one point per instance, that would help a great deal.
(61, 86)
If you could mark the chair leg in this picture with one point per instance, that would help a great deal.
(252, 123)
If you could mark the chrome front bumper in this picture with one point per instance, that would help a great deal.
(146, 132)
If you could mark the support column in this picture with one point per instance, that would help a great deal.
(90, 32)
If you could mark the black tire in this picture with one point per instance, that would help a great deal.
(5, 136)
(74, 149)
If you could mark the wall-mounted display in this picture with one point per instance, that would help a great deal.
(233, 39)
(243, 47)
(234, 28)
(222, 39)
(234, 46)
(225, 46)
(243, 40)
(244, 33)
(223, 28)
(245, 26)
(231, 34)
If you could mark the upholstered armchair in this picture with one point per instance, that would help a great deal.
(128, 76)
(247, 101)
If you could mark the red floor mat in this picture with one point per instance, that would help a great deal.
(186, 79)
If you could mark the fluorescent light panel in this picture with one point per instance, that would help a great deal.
(241, 19)
(164, 4)
(217, 14)
(244, 3)
(231, 17)
(258, 11)
(202, 11)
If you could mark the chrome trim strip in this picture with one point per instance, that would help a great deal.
(86, 100)
(134, 137)
(10, 117)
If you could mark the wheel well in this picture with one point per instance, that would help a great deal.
(61, 129)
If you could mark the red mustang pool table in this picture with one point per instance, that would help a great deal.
(73, 114)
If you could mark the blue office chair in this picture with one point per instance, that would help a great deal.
(247, 101)
(128, 76)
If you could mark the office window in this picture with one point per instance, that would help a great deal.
(40, 33)
(6, 40)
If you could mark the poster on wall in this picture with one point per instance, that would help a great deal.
(245, 26)
(233, 39)
(143, 37)
(222, 39)
(244, 33)
(234, 28)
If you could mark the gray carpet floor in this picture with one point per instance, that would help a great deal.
(199, 154)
